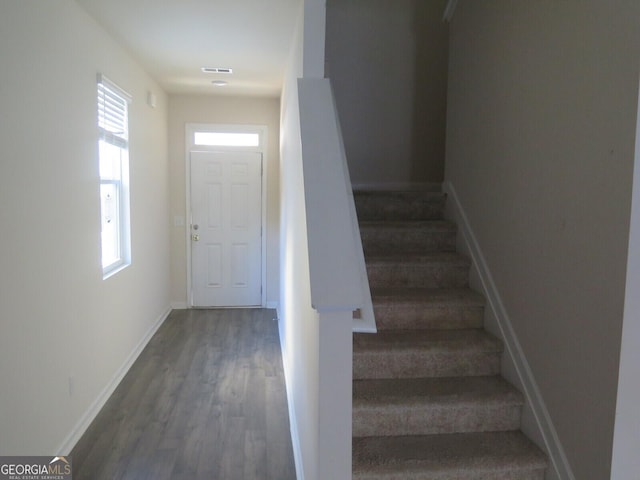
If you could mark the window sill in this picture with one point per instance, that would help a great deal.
(114, 269)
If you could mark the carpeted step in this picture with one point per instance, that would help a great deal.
(419, 308)
(428, 401)
(399, 205)
(422, 406)
(429, 270)
(463, 456)
(381, 237)
(425, 353)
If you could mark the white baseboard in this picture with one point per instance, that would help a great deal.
(547, 431)
(183, 305)
(82, 425)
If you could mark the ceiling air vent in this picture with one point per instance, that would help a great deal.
(217, 70)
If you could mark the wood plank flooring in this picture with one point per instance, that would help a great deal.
(204, 401)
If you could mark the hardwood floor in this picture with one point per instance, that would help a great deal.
(205, 400)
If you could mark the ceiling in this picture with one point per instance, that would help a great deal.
(174, 39)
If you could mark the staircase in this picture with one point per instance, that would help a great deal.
(428, 400)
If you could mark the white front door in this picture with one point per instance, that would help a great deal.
(226, 229)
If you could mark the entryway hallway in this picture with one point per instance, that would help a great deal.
(205, 399)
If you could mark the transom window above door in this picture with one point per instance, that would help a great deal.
(231, 137)
(225, 139)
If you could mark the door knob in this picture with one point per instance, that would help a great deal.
(195, 237)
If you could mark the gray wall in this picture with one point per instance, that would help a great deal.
(387, 60)
(542, 102)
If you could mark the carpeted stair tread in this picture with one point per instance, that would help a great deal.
(432, 340)
(427, 297)
(399, 205)
(403, 194)
(425, 353)
(427, 308)
(437, 391)
(428, 399)
(418, 270)
(464, 456)
(420, 406)
(435, 225)
(407, 236)
(413, 258)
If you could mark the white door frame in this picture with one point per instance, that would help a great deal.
(261, 130)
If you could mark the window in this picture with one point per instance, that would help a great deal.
(226, 139)
(113, 154)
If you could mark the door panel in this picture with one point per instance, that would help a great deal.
(226, 245)
(239, 207)
(240, 267)
(214, 267)
(214, 205)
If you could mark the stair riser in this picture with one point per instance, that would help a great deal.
(428, 419)
(416, 316)
(417, 364)
(399, 209)
(537, 474)
(417, 275)
(381, 241)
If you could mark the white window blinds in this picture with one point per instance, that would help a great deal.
(112, 112)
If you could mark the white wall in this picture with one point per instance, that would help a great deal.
(185, 109)
(298, 322)
(542, 101)
(58, 318)
(316, 346)
(387, 61)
